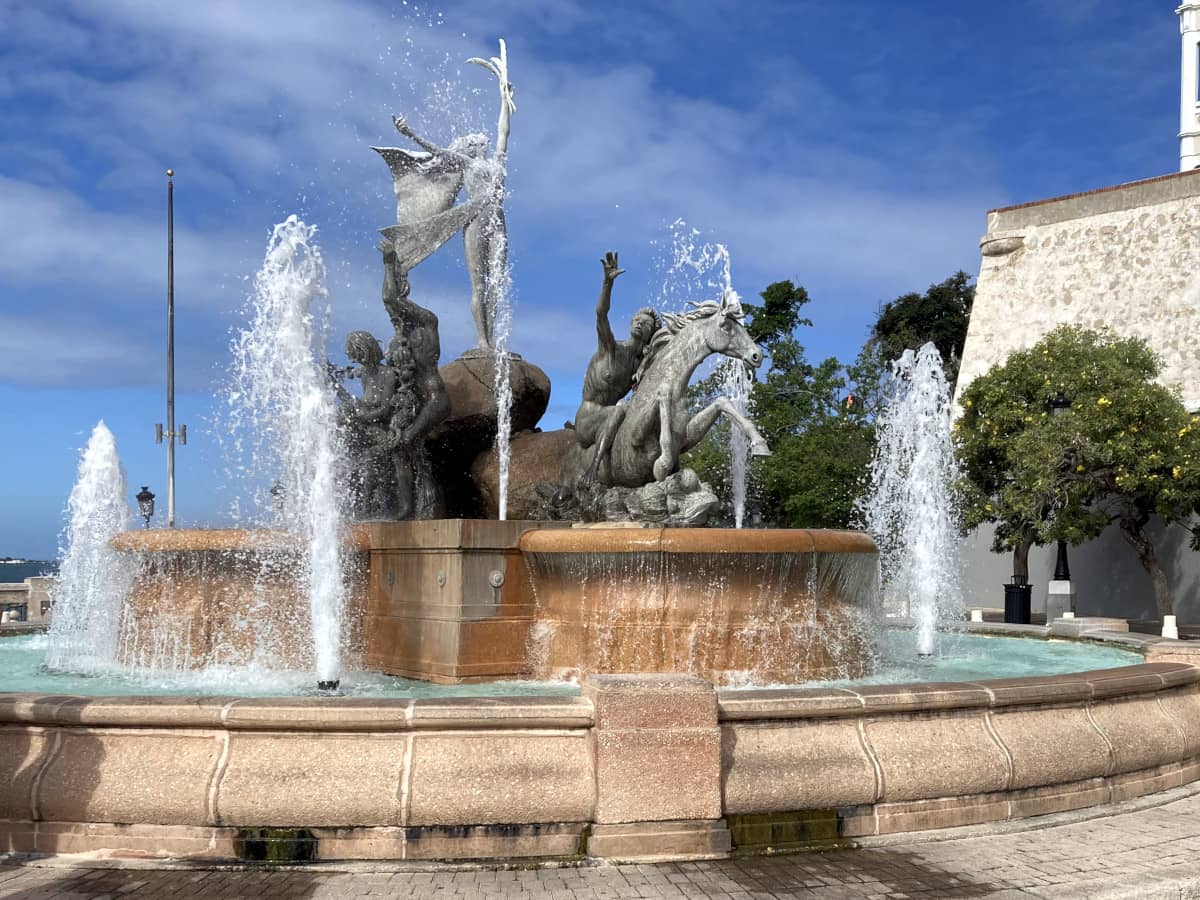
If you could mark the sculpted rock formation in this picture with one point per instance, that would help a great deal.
(470, 428)
(536, 460)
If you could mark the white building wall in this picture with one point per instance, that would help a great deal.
(1107, 577)
(1125, 257)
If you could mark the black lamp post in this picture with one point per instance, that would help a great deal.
(145, 502)
(1062, 569)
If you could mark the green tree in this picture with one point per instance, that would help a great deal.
(1126, 449)
(820, 448)
(940, 315)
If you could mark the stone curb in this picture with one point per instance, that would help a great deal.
(1038, 823)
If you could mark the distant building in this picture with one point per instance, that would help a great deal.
(1124, 257)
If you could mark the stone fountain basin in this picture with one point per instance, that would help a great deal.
(639, 767)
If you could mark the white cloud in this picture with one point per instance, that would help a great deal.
(270, 107)
(54, 351)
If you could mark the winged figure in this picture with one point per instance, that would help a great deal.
(427, 183)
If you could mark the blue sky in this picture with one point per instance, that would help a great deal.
(853, 148)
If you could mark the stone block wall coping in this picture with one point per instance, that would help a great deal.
(203, 540)
(305, 714)
(696, 540)
(1174, 186)
(449, 534)
(823, 703)
(444, 534)
(1008, 628)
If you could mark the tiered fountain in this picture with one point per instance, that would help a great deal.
(645, 610)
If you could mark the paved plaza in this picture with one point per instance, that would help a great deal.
(1148, 848)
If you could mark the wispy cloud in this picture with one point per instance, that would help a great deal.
(268, 108)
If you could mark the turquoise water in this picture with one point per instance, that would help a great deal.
(22, 669)
(959, 657)
(972, 657)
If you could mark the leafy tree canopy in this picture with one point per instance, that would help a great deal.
(940, 315)
(1125, 450)
(820, 448)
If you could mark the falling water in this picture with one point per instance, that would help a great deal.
(283, 398)
(737, 388)
(499, 281)
(93, 578)
(909, 510)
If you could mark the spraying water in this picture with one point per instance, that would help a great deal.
(696, 267)
(93, 578)
(909, 510)
(282, 397)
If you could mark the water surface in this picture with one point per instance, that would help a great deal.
(959, 657)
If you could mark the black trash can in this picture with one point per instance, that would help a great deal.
(1017, 599)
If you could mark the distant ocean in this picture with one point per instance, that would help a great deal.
(11, 573)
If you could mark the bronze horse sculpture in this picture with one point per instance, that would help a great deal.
(657, 426)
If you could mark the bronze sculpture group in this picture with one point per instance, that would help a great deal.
(633, 421)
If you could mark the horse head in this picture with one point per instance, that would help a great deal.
(724, 332)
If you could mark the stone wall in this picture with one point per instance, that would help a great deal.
(640, 767)
(32, 593)
(1124, 257)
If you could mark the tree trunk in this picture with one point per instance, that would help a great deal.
(1021, 562)
(1132, 527)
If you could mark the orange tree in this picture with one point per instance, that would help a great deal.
(1125, 451)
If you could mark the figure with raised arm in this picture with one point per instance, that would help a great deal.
(610, 375)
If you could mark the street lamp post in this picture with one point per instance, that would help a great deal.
(145, 502)
(170, 433)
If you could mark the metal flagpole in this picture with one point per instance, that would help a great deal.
(170, 431)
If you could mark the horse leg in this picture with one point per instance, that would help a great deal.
(668, 451)
(699, 424)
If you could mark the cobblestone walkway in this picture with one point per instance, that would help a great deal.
(1151, 852)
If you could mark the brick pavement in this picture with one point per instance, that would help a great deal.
(1142, 851)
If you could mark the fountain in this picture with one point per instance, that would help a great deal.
(208, 743)
(281, 393)
(93, 578)
(909, 510)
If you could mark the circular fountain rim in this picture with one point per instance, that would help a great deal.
(411, 774)
(815, 700)
(218, 540)
(599, 539)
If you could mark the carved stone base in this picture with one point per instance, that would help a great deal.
(448, 600)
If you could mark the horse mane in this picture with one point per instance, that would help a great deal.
(676, 322)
